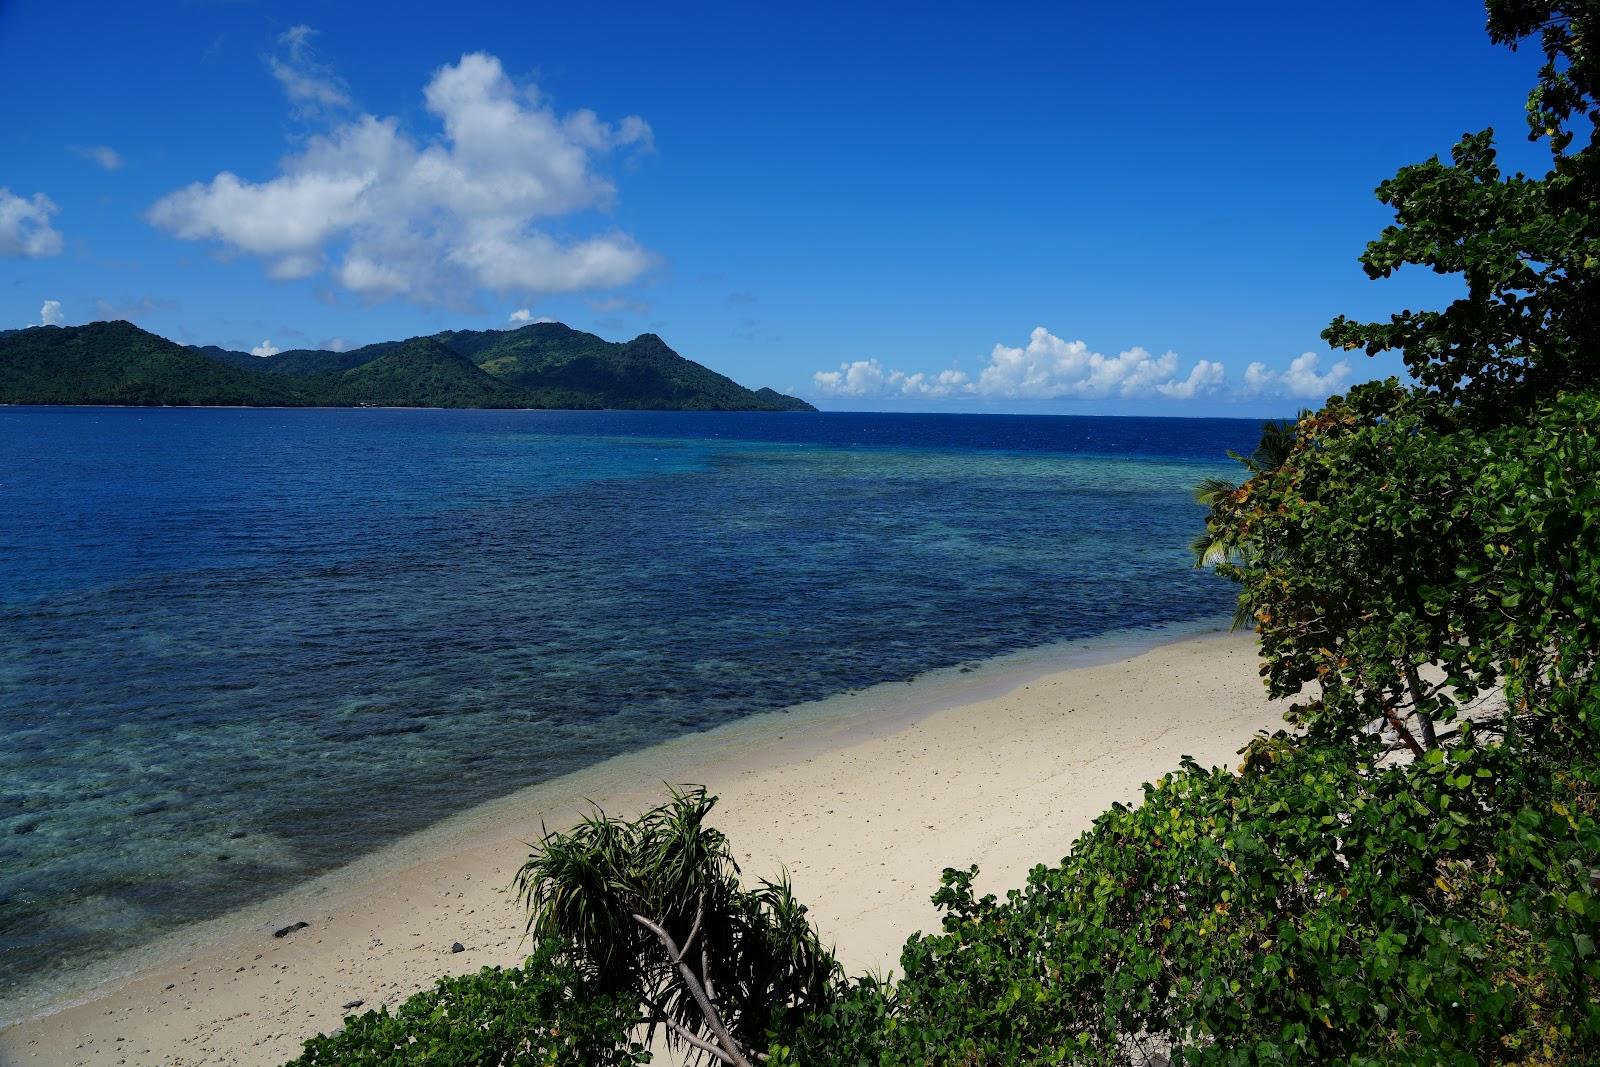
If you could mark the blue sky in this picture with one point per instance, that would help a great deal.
(1088, 209)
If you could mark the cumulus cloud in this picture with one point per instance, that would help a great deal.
(50, 313)
(869, 378)
(520, 315)
(388, 216)
(1204, 377)
(25, 228)
(265, 348)
(1299, 380)
(310, 86)
(1049, 367)
(103, 156)
(1046, 368)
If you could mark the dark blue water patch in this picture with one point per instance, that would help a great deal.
(238, 648)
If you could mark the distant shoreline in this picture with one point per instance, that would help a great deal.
(401, 407)
(538, 366)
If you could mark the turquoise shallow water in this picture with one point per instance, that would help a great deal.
(225, 634)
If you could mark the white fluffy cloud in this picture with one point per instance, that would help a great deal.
(1046, 368)
(265, 348)
(867, 377)
(25, 228)
(520, 315)
(50, 313)
(433, 221)
(1300, 380)
(1204, 377)
(1049, 368)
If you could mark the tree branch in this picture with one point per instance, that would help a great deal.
(1399, 729)
(699, 914)
(1420, 695)
(713, 1020)
(688, 1038)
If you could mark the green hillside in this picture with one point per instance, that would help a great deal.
(418, 372)
(118, 363)
(300, 361)
(642, 373)
(782, 401)
(542, 365)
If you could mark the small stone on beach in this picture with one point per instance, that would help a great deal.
(457, 947)
(291, 928)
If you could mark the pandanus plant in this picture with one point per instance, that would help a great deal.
(654, 910)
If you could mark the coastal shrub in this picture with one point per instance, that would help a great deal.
(1401, 563)
(1314, 908)
(1419, 546)
(654, 910)
(546, 1012)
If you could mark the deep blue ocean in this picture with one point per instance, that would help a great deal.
(238, 648)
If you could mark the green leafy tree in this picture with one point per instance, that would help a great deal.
(1402, 565)
(1527, 249)
(1374, 558)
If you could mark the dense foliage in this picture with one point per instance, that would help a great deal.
(545, 1013)
(421, 367)
(1314, 908)
(1405, 564)
(117, 363)
(542, 365)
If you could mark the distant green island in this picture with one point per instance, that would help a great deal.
(541, 365)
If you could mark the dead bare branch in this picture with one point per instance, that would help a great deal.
(735, 1053)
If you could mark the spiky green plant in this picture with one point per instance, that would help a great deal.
(653, 908)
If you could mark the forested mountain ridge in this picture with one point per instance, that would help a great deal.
(542, 365)
(118, 363)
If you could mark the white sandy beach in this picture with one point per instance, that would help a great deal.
(864, 814)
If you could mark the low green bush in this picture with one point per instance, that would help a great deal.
(544, 1013)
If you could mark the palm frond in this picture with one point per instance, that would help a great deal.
(1208, 491)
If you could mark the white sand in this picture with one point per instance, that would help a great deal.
(865, 816)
